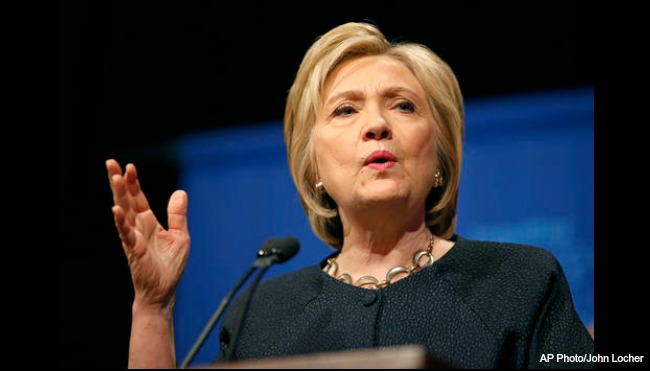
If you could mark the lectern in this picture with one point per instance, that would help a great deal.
(399, 357)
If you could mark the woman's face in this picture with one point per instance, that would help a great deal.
(374, 137)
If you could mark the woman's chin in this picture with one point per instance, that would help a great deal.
(384, 195)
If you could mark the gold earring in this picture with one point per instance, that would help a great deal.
(438, 181)
(320, 187)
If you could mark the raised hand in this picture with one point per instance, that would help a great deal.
(157, 256)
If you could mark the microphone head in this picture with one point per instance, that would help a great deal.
(281, 249)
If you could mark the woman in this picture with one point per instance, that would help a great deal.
(374, 135)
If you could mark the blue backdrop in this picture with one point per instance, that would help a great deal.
(528, 176)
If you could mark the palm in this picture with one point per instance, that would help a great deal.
(157, 258)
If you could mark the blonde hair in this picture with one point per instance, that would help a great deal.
(352, 40)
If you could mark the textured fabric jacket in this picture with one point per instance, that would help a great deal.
(482, 305)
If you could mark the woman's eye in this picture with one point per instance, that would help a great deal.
(344, 110)
(406, 106)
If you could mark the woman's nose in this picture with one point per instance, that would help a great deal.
(378, 130)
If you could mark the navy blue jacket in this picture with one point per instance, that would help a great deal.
(482, 305)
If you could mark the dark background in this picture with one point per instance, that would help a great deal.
(133, 76)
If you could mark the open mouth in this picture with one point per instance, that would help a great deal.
(380, 160)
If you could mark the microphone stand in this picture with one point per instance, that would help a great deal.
(264, 263)
(274, 251)
(215, 317)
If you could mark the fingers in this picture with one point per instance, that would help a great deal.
(177, 211)
(113, 168)
(127, 235)
(126, 187)
(133, 186)
(117, 182)
(121, 198)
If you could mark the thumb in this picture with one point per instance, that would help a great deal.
(177, 211)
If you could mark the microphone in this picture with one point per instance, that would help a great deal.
(273, 251)
(278, 250)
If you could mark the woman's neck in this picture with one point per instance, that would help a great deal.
(375, 251)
